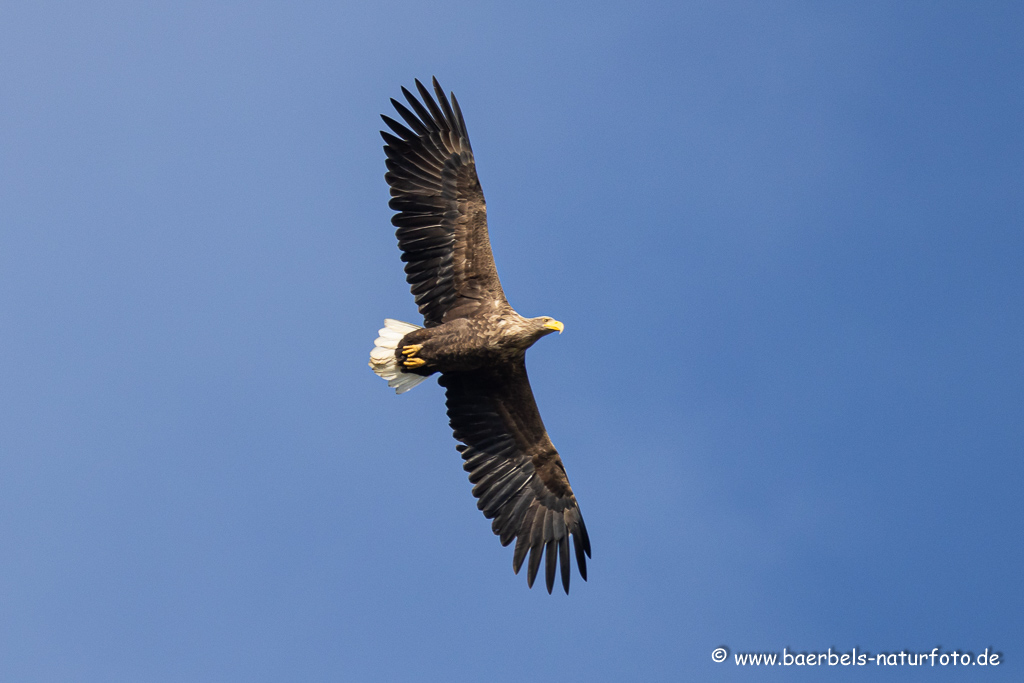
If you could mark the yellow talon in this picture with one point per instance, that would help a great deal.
(411, 350)
(414, 362)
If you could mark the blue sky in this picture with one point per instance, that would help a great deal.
(787, 243)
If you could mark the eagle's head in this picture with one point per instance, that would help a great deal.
(543, 326)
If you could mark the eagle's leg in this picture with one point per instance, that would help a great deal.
(411, 361)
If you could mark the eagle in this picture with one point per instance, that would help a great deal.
(473, 338)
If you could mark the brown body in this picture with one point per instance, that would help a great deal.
(466, 344)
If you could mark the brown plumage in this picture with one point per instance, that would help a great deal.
(473, 338)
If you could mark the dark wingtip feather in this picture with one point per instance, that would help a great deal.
(391, 140)
(458, 117)
(523, 541)
(563, 557)
(584, 536)
(531, 569)
(439, 117)
(428, 117)
(402, 131)
(449, 115)
(550, 565)
(581, 558)
(519, 554)
(410, 118)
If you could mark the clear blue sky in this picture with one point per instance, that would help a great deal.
(787, 243)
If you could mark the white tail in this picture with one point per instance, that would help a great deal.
(382, 358)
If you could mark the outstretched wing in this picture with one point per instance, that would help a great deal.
(517, 475)
(442, 219)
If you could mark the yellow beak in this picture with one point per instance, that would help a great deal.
(554, 325)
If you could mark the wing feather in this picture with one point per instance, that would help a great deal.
(435, 113)
(458, 114)
(402, 131)
(518, 476)
(410, 118)
(563, 558)
(509, 519)
(536, 551)
(522, 538)
(434, 185)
